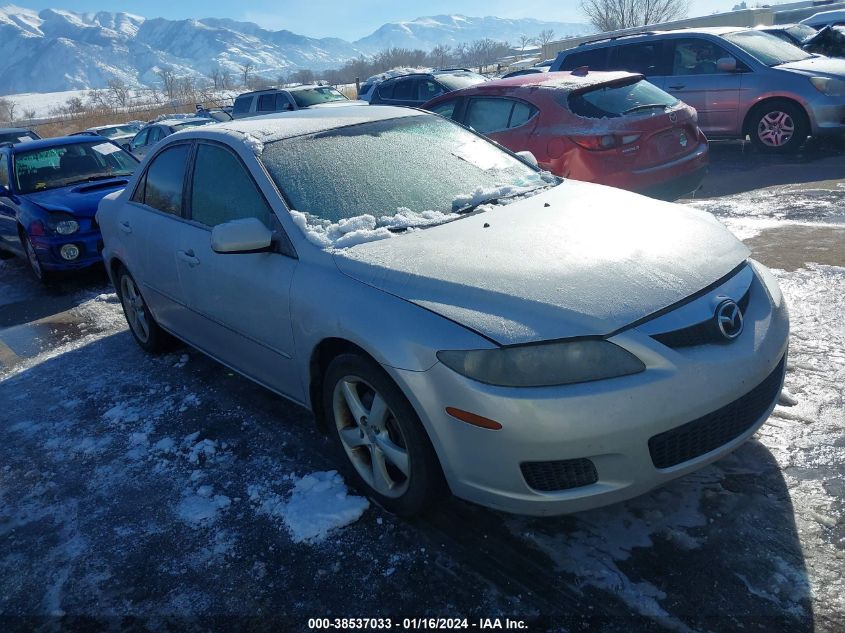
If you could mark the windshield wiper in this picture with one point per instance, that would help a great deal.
(99, 177)
(646, 106)
(495, 199)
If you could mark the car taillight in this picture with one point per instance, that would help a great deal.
(604, 141)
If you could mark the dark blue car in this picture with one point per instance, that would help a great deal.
(49, 192)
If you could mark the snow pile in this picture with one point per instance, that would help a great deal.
(202, 506)
(318, 504)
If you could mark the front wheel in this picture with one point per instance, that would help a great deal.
(143, 326)
(380, 435)
(778, 127)
(32, 259)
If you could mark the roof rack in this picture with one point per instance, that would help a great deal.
(610, 38)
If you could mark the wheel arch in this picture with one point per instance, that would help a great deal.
(321, 357)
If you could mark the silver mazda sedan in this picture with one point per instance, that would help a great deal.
(451, 315)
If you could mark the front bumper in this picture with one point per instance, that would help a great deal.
(47, 247)
(608, 422)
(827, 115)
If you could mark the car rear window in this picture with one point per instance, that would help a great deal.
(616, 100)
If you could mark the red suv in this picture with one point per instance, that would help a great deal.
(612, 128)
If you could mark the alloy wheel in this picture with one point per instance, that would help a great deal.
(371, 436)
(776, 129)
(133, 306)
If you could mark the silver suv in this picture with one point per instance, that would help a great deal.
(742, 82)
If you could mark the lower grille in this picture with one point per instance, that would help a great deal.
(559, 475)
(715, 429)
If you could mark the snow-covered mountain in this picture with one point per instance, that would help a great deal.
(426, 33)
(53, 49)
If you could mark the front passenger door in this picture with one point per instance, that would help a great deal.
(242, 301)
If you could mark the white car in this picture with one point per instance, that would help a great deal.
(448, 312)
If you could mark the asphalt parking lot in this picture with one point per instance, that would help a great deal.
(154, 493)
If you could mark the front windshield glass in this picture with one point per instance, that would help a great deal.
(362, 171)
(118, 130)
(17, 137)
(460, 79)
(767, 48)
(313, 96)
(43, 169)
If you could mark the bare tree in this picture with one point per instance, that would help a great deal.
(246, 72)
(215, 76)
(225, 79)
(612, 15)
(168, 80)
(524, 41)
(303, 76)
(119, 92)
(440, 55)
(548, 35)
(7, 109)
(29, 114)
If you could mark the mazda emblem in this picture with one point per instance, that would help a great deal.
(729, 319)
(673, 117)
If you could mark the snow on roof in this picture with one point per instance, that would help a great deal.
(259, 130)
(558, 80)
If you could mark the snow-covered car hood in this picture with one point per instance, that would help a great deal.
(577, 260)
(335, 104)
(831, 66)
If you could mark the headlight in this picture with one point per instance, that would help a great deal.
(829, 86)
(66, 227)
(545, 364)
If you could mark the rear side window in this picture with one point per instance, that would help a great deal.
(223, 190)
(618, 100)
(405, 90)
(266, 103)
(595, 59)
(446, 109)
(491, 114)
(644, 58)
(164, 180)
(242, 105)
(4, 170)
(385, 89)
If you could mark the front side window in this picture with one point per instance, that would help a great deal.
(223, 190)
(313, 96)
(429, 89)
(698, 57)
(490, 114)
(351, 172)
(155, 135)
(66, 165)
(165, 178)
(766, 48)
(616, 100)
(141, 138)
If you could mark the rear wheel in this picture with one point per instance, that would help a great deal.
(143, 326)
(380, 436)
(778, 127)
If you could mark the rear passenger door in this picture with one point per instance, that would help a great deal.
(241, 302)
(695, 79)
(507, 121)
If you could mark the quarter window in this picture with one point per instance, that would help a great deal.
(223, 189)
(164, 180)
(490, 114)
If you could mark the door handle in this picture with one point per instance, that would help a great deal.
(189, 257)
(124, 226)
(680, 87)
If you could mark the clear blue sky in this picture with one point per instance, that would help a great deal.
(349, 19)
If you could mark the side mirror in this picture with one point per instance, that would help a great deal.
(249, 235)
(126, 147)
(726, 65)
(528, 157)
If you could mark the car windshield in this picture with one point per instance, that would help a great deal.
(118, 130)
(187, 124)
(767, 48)
(356, 171)
(460, 79)
(17, 137)
(801, 32)
(42, 169)
(313, 96)
(616, 100)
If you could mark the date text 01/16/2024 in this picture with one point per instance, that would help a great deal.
(416, 624)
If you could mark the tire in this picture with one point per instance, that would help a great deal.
(41, 275)
(778, 127)
(147, 333)
(387, 453)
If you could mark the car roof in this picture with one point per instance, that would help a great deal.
(627, 37)
(172, 122)
(559, 81)
(106, 127)
(58, 141)
(282, 125)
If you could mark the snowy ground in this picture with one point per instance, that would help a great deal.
(170, 493)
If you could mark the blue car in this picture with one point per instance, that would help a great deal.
(49, 192)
